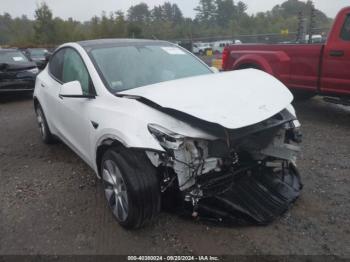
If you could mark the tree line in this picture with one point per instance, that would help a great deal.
(166, 21)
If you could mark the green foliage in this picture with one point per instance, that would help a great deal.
(206, 11)
(166, 21)
(139, 13)
(226, 11)
(241, 8)
(44, 25)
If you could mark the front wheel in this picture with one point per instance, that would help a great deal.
(131, 186)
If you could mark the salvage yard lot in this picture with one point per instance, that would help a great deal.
(51, 202)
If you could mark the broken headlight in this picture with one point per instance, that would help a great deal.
(188, 157)
(293, 131)
(166, 138)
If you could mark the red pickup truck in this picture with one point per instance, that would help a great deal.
(311, 68)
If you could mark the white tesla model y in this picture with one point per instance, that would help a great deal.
(152, 120)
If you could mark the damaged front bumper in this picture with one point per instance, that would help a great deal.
(247, 175)
(257, 197)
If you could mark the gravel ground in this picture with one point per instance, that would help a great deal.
(51, 202)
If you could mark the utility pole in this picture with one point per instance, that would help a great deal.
(301, 34)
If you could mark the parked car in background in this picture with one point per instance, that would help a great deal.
(17, 73)
(201, 48)
(307, 69)
(37, 55)
(218, 46)
(315, 39)
(152, 120)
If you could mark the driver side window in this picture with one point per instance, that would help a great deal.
(74, 70)
(345, 33)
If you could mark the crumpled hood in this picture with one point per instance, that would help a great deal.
(231, 99)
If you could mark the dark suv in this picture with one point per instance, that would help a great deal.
(17, 73)
(38, 56)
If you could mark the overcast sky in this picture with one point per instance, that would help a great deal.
(85, 9)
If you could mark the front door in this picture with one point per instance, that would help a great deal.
(75, 124)
(336, 62)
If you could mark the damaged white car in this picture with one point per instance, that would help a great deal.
(154, 121)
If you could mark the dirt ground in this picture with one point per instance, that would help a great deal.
(51, 202)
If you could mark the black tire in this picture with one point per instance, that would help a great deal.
(303, 96)
(45, 132)
(140, 182)
(249, 66)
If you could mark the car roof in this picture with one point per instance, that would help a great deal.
(118, 41)
(36, 48)
(9, 50)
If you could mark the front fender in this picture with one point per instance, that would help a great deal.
(137, 140)
(129, 140)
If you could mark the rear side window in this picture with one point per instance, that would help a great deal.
(56, 64)
(345, 32)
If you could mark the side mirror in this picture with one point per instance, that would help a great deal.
(73, 90)
(3, 66)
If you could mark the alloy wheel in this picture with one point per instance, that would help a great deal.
(41, 122)
(115, 190)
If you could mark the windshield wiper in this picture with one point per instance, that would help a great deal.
(127, 96)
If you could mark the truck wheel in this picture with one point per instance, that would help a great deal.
(249, 66)
(45, 133)
(131, 186)
(302, 96)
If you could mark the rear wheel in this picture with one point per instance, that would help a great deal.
(248, 66)
(131, 186)
(302, 96)
(45, 133)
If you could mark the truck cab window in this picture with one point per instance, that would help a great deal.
(345, 32)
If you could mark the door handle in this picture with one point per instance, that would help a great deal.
(336, 53)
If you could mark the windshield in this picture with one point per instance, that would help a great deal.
(127, 67)
(12, 57)
(37, 52)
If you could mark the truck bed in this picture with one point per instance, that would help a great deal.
(296, 65)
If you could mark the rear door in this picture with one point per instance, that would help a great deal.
(336, 59)
(48, 84)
